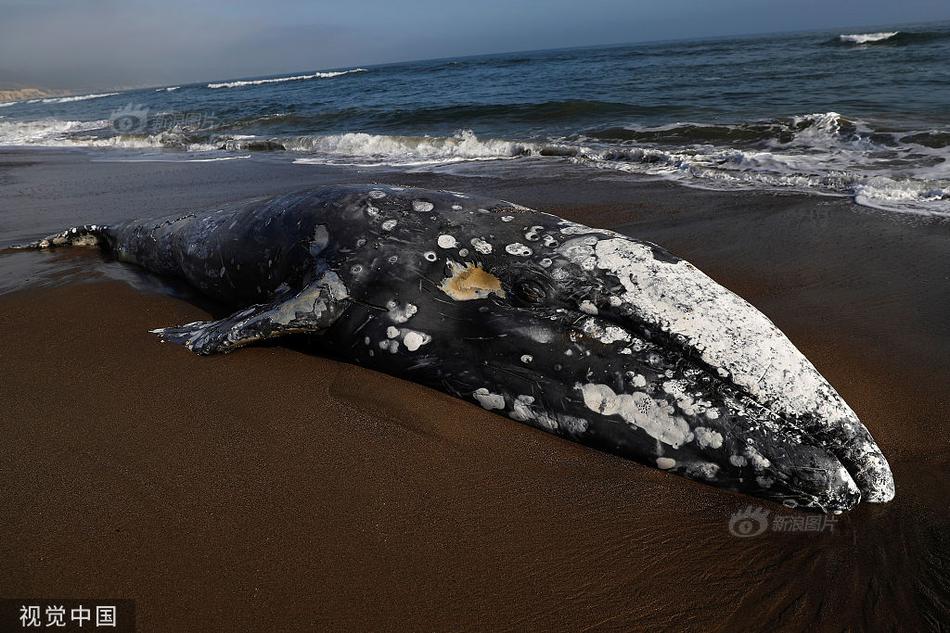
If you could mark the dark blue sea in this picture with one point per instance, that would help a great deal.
(856, 113)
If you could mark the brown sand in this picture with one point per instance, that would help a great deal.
(272, 490)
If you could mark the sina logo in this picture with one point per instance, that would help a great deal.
(750, 521)
(129, 119)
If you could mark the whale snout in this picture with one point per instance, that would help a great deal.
(726, 367)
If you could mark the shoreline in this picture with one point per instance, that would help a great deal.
(320, 494)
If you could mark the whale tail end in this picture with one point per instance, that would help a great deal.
(87, 235)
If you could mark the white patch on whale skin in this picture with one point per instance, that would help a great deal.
(400, 314)
(311, 299)
(637, 380)
(536, 333)
(481, 246)
(414, 340)
(702, 470)
(522, 410)
(390, 344)
(687, 404)
(321, 237)
(707, 438)
(518, 249)
(389, 225)
(572, 228)
(507, 218)
(727, 331)
(335, 286)
(533, 234)
(527, 358)
(665, 463)
(392, 332)
(759, 462)
(446, 241)
(376, 194)
(422, 206)
(639, 410)
(489, 400)
(605, 334)
(587, 307)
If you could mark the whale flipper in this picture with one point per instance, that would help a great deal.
(312, 309)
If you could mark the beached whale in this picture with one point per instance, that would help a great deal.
(584, 333)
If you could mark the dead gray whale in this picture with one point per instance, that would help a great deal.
(584, 333)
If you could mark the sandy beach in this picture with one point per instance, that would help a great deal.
(274, 490)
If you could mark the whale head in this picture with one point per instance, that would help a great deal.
(607, 340)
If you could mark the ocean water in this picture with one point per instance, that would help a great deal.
(864, 114)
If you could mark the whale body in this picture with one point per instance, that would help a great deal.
(585, 333)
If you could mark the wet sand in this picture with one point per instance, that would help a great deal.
(275, 490)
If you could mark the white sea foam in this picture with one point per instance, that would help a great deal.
(822, 153)
(8, 104)
(867, 38)
(58, 133)
(275, 80)
(169, 89)
(372, 149)
(171, 158)
(170, 139)
(820, 157)
(44, 132)
(74, 98)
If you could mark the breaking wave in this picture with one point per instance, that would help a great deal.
(74, 98)
(823, 153)
(276, 80)
(357, 148)
(890, 38)
(44, 132)
(867, 38)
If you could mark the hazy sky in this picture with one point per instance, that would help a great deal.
(88, 44)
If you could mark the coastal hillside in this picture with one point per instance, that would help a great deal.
(22, 94)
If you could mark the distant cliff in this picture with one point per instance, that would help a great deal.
(20, 94)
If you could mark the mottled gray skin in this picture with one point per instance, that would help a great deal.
(549, 335)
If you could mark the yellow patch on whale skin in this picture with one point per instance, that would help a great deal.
(469, 281)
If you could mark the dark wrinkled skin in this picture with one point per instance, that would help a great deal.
(533, 347)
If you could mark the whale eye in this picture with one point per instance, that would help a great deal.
(530, 291)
